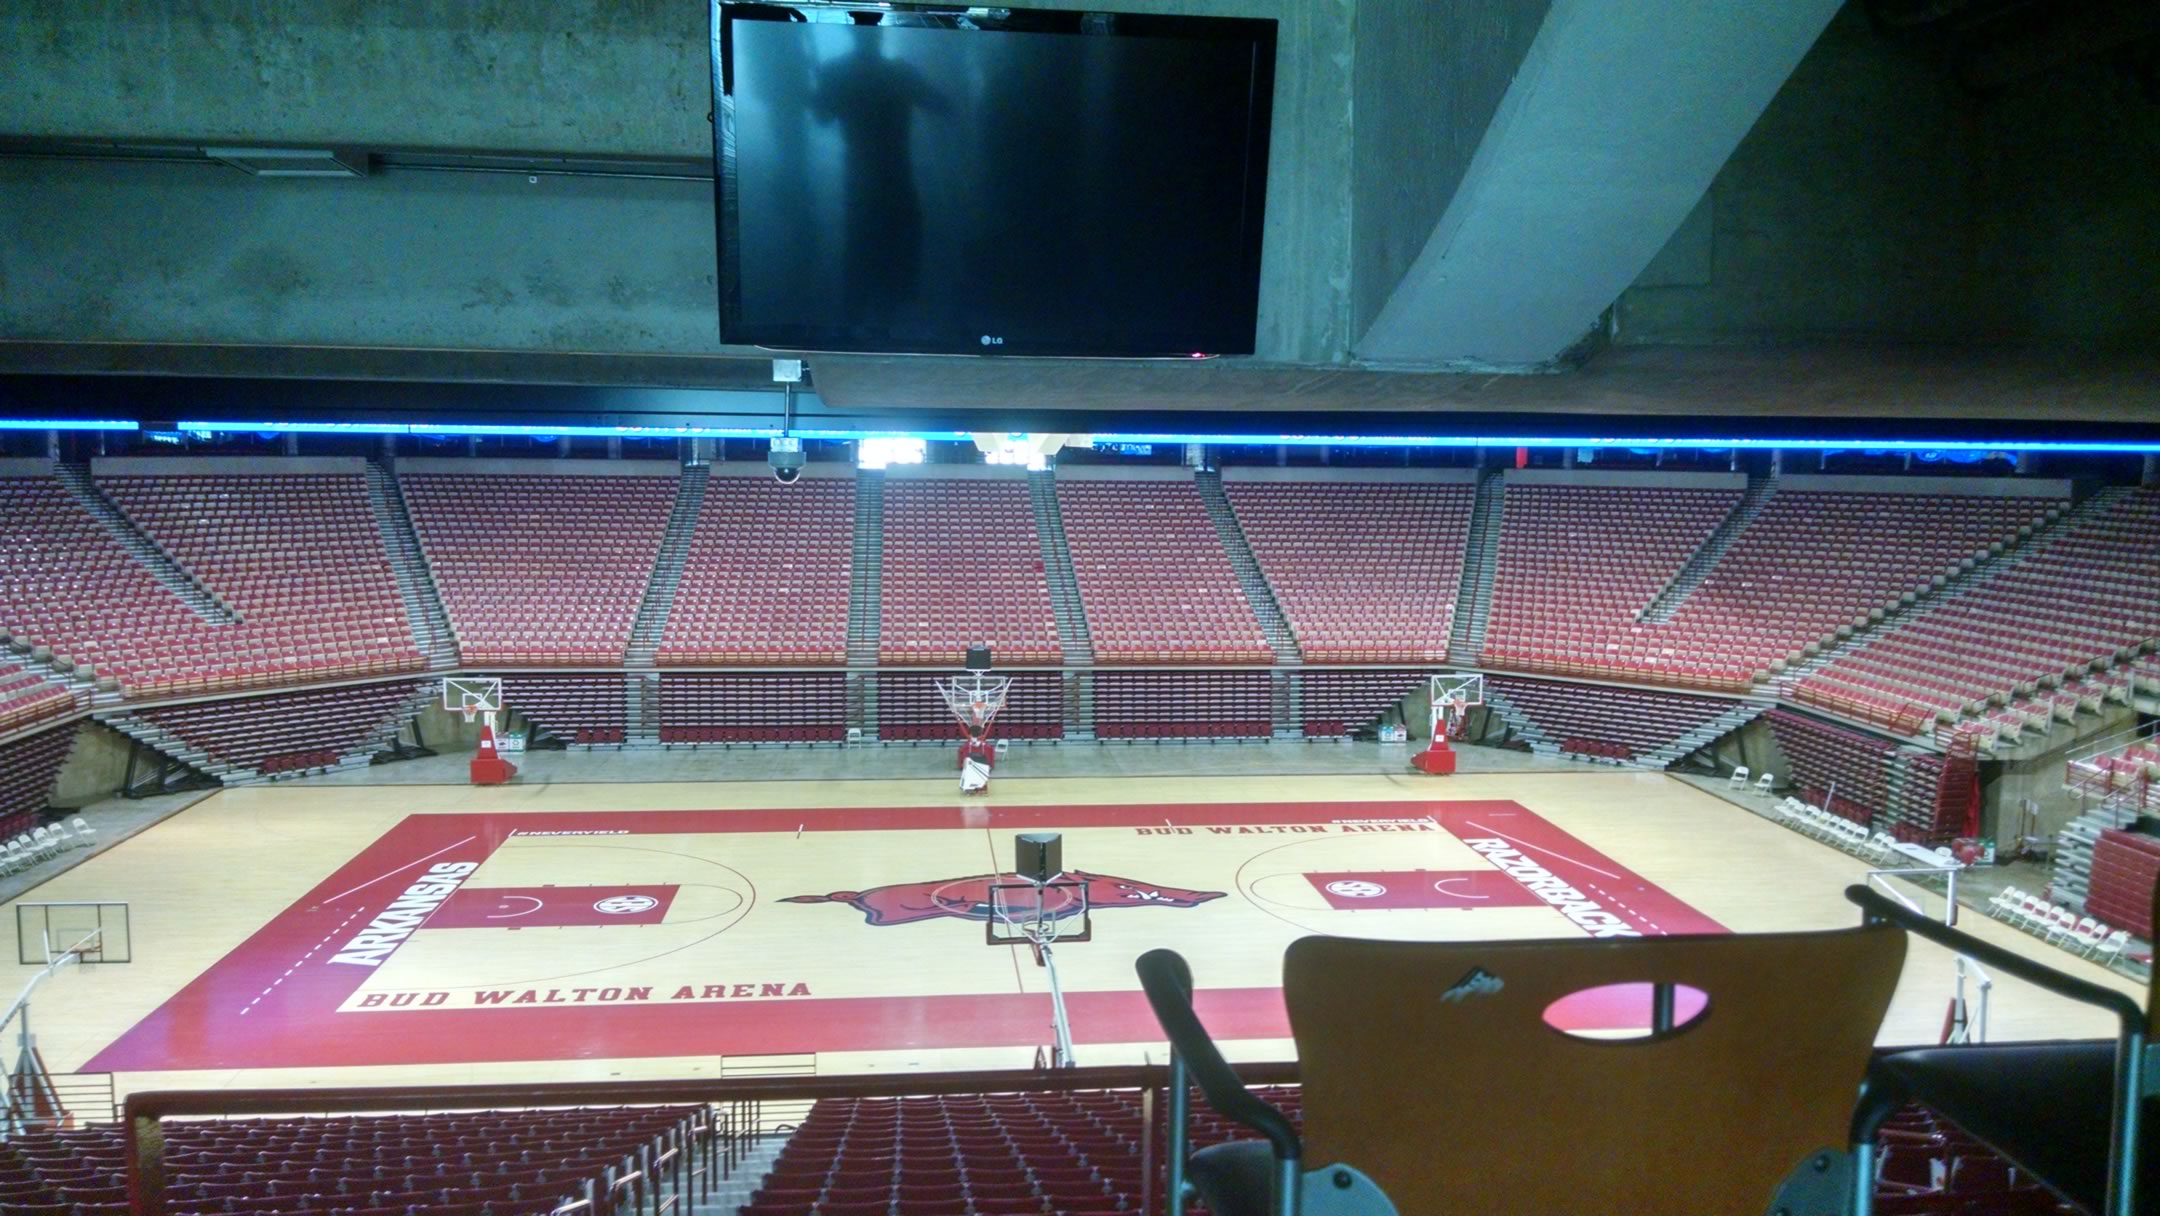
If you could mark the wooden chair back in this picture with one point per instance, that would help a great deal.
(1472, 1103)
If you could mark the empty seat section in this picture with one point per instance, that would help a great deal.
(1815, 566)
(540, 569)
(910, 708)
(2068, 608)
(312, 591)
(509, 1162)
(976, 1155)
(1340, 702)
(2125, 777)
(296, 557)
(574, 709)
(2124, 868)
(292, 732)
(28, 768)
(1364, 572)
(1577, 565)
(1822, 756)
(697, 707)
(963, 564)
(1607, 723)
(766, 579)
(28, 697)
(1183, 705)
(1866, 778)
(1154, 580)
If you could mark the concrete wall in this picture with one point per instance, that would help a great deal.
(196, 253)
(96, 768)
(1876, 198)
(1429, 74)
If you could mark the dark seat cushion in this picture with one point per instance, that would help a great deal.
(2045, 1106)
(1234, 1179)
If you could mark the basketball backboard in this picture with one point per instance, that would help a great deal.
(1023, 913)
(96, 932)
(473, 696)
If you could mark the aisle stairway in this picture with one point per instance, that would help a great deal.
(416, 585)
(1473, 600)
(1698, 568)
(667, 571)
(1058, 570)
(75, 479)
(866, 580)
(1247, 568)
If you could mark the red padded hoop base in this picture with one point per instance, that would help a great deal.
(1439, 761)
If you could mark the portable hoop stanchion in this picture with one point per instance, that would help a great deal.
(975, 700)
(480, 698)
(1452, 696)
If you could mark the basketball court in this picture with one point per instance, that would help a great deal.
(335, 934)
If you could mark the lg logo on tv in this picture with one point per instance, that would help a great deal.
(992, 340)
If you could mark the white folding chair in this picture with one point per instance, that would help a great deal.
(14, 859)
(1764, 782)
(1739, 777)
(2109, 951)
(2087, 936)
(2003, 904)
(41, 842)
(2062, 923)
(85, 835)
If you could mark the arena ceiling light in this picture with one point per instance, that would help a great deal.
(882, 453)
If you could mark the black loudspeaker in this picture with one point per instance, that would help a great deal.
(1039, 856)
(978, 658)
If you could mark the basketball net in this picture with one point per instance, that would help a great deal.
(975, 702)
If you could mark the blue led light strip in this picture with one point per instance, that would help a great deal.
(436, 428)
(1563, 441)
(65, 424)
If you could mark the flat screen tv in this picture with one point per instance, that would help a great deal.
(932, 180)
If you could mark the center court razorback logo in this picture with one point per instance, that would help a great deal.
(904, 903)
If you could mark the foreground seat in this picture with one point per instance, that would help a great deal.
(1432, 1082)
(2073, 1115)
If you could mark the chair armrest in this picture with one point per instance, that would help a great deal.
(1880, 907)
(1168, 984)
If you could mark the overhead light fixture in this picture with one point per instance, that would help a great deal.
(293, 162)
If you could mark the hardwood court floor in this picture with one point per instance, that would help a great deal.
(340, 935)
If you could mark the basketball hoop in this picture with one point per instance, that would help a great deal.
(480, 697)
(1452, 696)
(975, 701)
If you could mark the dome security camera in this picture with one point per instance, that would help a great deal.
(786, 459)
